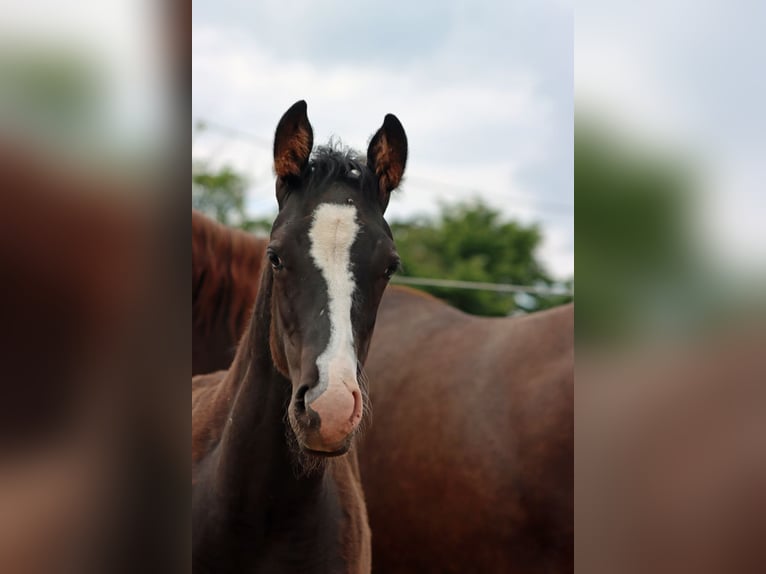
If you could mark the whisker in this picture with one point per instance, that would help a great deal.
(366, 403)
(304, 464)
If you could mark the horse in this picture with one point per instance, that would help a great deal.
(225, 267)
(275, 480)
(471, 468)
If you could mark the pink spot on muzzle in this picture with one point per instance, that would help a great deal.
(340, 410)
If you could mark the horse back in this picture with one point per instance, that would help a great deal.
(478, 433)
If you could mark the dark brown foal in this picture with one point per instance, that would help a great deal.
(267, 494)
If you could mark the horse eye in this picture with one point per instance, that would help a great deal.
(275, 261)
(391, 269)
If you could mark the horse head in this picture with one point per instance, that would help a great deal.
(331, 254)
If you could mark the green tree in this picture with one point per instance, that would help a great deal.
(219, 193)
(471, 242)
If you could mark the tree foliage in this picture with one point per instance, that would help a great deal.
(472, 242)
(219, 193)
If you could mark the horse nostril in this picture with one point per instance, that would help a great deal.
(300, 398)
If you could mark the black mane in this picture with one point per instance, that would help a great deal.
(335, 162)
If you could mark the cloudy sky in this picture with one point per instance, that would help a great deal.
(483, 89)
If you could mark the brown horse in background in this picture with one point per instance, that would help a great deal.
(226, 269)
(267, 496)
(469, 466)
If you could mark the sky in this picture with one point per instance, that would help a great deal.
(483, 89)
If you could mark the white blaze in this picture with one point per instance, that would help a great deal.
(332, 235)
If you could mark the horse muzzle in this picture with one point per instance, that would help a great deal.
(328, 417)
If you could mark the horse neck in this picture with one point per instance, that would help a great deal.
(254, 459)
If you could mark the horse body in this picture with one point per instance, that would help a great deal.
(471, 466)
(275, 486)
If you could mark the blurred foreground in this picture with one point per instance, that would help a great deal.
(671, 320)
(671, 394)
(94, 306)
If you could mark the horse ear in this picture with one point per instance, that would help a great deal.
(387, 156)
(293, 142)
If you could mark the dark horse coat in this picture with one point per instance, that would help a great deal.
(276, 487)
